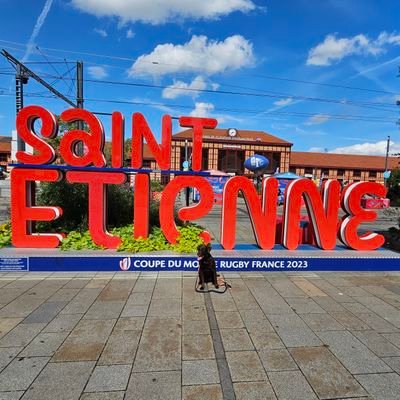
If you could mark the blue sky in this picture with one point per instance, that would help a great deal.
(294, 69)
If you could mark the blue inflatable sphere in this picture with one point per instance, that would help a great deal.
(256, 163)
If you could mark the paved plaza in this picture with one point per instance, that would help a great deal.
(149, 335)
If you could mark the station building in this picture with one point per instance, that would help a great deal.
(346, 168)
(5, 151)
(227, 149)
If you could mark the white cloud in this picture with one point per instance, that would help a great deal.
(283, 102)
(334, 49)
(100, 32)
(317, 119)
(162, 11)
(198, 55)
(180, 88)
(130, 34)
(215, 86)
(206, 110)
(316, 150)
(377, 148)
(202, 110)
(97, 72)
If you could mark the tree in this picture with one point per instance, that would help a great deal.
(393, 184)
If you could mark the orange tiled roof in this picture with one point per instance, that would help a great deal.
(242, 136)
(147, 154)
(341, 161)
(5, 144)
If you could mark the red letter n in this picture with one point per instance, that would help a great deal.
(323, 213)
(263, 220)
(140, 130)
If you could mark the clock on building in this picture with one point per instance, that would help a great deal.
(232, 132)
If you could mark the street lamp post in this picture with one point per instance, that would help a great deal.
(386, 159)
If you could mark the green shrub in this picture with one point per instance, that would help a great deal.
(79, 241)
(156, 186)
(187, 242)
(5, 235)
(189, 239)
(119, 205)
(73, 199)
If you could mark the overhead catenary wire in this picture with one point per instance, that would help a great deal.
(155, 62)
(267, 94)
(232, 110)
(257, 93)
(51, 65)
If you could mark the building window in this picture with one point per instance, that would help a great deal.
(165, 179)
(292, 169)
(308, 171)
(231, 161)
(340, 172)
(3, 157)
(274, 159)
(204, 159)
(146, 164)
(325, 172)
(372, 174)
(357, 173)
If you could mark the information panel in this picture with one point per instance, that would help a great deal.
(13, 264)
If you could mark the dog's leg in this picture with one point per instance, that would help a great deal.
(215, 277)
(201, 279)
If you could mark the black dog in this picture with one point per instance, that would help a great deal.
(207, 269)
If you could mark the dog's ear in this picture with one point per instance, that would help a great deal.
(209, 247)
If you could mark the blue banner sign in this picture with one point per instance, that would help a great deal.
(224, 264)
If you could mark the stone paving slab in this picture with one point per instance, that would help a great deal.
(61, 381)
(204, 392)
(354, 355)
(154, 386)
(109, 378)
(254, 391)
(128, 336)
(291, 385)
(325, 373)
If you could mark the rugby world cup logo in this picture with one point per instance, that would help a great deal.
(125, 264)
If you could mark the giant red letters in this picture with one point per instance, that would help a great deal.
(141, 206)
(322, 208)
(141, 130)
(93, 140)
(43, 152)
(356, 214)
(263, 219)
(323, 213)
(186, 213)
(24, 211)
(198, 124)
(97, 182)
